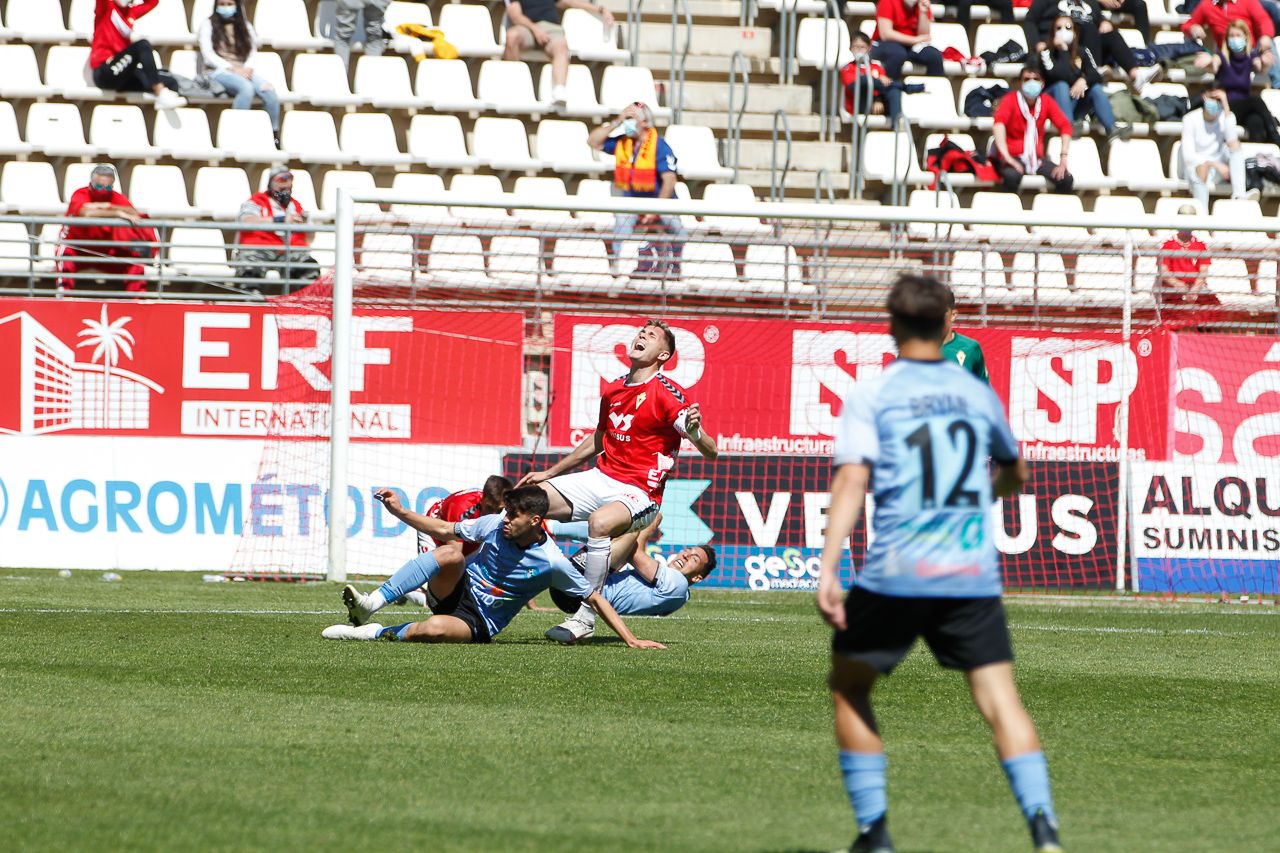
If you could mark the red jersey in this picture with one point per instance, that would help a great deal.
(459, 506)
(1190, 267)
(904, 20)
(643, 425)
(79, 199)
(113, 28)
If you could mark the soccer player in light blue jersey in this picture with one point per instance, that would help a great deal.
(474, 602)
(919, 435)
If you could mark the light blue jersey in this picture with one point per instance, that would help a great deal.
(927, 429)
(631, 595)
(503, 576)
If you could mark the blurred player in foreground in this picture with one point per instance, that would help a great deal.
(922, 433)
(515, 562)
(643, 418)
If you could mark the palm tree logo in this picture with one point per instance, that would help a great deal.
(109, 340)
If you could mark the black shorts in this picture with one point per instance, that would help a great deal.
(461, 604)
(962, 633)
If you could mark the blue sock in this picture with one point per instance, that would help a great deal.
(413, 575)
(397, 632)
(1029, 778)
(864, 780)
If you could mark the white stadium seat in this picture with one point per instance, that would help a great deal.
(200, 10)
(470, 29)
(271, 67)
(589, 39)
(622, 85)
(37, 21)
(384, 82)
(480, 187)
(22, 74)
(501, 144)
(696, 156)
(508, 87)
(15, 248)
(56, 129)
(774, 270)
(945, 35)
(930, 201)
(1086, 168)
(312, 138)
(161, 192)
(402, 12)
(198, 252)
(388, 258)
(371, 139)
(437, 141)
(1230, 211)
(515, 261)
(121, 131)
(1122, 208)
(998, 204)
(165, 25)
(1040, 278)
(1056, 206)
(457, 261)
(352, 181)
(1101, 279)
(445, 86)
(563, 145)
(221, 190)
(283, 25)
(248, 134)
(1136, 164)
(422, 186)
(733, 196)
(935, 107)
(184, 134)
(592, 189)
(31, 189)
(80, 18)
(978, 276)
(580, 90)
(321, 80)
(811, 49)
(710, 267)
(878, 154)
(582, 264)
(967, 85)
(10, 139)
(1229, 280)
(65, 69)
(542, 189)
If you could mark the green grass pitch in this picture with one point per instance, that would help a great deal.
(161, 713)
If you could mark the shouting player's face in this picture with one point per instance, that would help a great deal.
(519, 524)
(648, 347)
(690, 562)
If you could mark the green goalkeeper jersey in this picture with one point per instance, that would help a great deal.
(967, 353)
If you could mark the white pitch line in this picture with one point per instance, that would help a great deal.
(1085, 629)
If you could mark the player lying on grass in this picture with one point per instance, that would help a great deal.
(472, 603)
(639, 585)
(643, 418)
(922, 432)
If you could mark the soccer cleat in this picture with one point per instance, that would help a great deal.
(570, 631)
(873, 838)
(358, 612)
(349, 632)
(1044, 834)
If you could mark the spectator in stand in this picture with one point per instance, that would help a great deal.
(1234, 67)
(88, 243)
(1183, 272)
(1137, 9)
(1093, 32)
(120, 64)
(877, 92)
(344, 27)
(1004, 7)
(533, 23)
(283, 251)
(1020, 122)
(1211, 149)
(644, 167)
(1074, 80)
(228, 46)
(902, 35)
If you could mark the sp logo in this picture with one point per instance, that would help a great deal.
(621, 422)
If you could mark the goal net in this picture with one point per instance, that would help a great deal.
(482, 329)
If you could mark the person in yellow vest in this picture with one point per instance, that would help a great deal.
(644, 167)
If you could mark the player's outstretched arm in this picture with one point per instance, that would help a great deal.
(693, 428)
(1009, 478)
(435, 527)
(645, 566)
(614, 621)
(848, 494)
(587, 449)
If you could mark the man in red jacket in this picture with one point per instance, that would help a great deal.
(261, 251)
(95, 246)
(121, 64)
(1017, 136)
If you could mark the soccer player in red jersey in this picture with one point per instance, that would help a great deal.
(643, 418)
(464, 505)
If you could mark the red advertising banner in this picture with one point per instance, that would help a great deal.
(1227, 402)
(774, 386)
(128, 368)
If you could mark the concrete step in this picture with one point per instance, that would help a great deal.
(761, 97)
(725, 12)
(806, 156)
(704, 66)
(708, 40)
(804, 128)
(799, 184)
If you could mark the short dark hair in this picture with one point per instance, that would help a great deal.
(918, 307)
(495, 487)
(1032, 68)
(712, 562)
(950, 298)
(530, 499)
(666, 330)
(860, 36)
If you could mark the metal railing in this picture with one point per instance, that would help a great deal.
(829, 77)
(788, 22)
(860, 89)
(732, 143)
(676, 70)
(778, 183)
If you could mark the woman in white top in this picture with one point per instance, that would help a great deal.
(228, 46)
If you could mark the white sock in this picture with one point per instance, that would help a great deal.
(374, 601)
(595, 571)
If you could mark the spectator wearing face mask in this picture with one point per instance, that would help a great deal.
(94, 248)
(1092, 31)
(878, 93)
(1234, 67)
(1185, 267)
(228, 47)
(1212, 17)
(121, 64)
(283, 251)
(1017, 134)
(902, 35)
(1211, 151)
(1074, 81)
(644, 167)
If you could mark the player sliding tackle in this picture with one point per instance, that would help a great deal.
(473, 602)
(922, 432)
(643, 417)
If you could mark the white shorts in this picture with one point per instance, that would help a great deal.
(587, 491)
